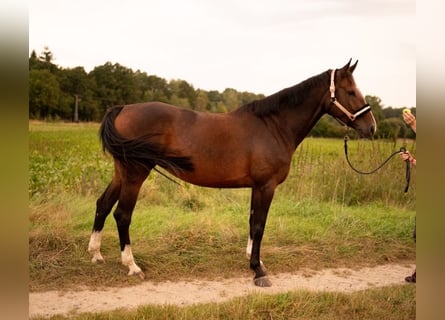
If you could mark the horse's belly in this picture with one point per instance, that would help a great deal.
(214, 177)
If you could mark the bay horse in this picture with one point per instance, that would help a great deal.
(250, 147)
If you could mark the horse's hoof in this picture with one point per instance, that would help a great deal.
(262, 282)
(98, 259)
(138, 273)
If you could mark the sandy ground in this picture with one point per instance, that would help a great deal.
(191, 292)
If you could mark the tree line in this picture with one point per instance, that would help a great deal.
(53, 91)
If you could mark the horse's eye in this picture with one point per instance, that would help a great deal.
(351, 93)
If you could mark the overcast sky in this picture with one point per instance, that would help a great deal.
(260, 46)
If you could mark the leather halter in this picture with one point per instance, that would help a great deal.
(351, 116)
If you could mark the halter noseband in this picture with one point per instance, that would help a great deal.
(350, 116)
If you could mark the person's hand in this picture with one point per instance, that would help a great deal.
(410, 120)
(407, 156)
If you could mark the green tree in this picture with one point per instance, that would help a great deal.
(376, 108)
(142, 85)
(392, 128)
(202, 100)
(33, 61)
(246, 97)
(329, 127)
(182, 93)
(230, 99)
(44, 94)
(46, 55)
(43, 61)
(74, 82)
(221, 107)
(52, 91)
(215, 98)
(391, 112)
(113, 85)
(157, 89)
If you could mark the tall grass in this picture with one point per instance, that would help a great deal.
(65, 159)
(320, 173)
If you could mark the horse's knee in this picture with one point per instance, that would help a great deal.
(123, 219)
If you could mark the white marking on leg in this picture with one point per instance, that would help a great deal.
(249, 248)
(94, 246)
(249, 251)
(128, 260)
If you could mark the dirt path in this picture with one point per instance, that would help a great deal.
(189, 292)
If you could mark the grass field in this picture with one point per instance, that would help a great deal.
(323, 215)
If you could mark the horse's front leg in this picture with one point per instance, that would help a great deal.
(260, 203)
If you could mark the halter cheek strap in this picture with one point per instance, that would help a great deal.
(350, 116)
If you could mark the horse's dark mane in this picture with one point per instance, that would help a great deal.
(288, 97)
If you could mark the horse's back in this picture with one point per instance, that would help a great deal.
(141, 119)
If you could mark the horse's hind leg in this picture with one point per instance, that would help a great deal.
(103, 207)
(132, 180)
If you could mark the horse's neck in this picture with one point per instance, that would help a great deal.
(299, 120)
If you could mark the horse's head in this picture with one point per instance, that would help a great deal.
(347, 103)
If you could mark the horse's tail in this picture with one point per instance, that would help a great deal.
(140, 151)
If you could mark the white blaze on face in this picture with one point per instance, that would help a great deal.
(94, 246)
(128, 260)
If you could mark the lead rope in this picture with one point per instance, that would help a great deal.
(167, 177)
(402, 149)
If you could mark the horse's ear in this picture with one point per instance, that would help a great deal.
(352, 68)
(346, 67)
